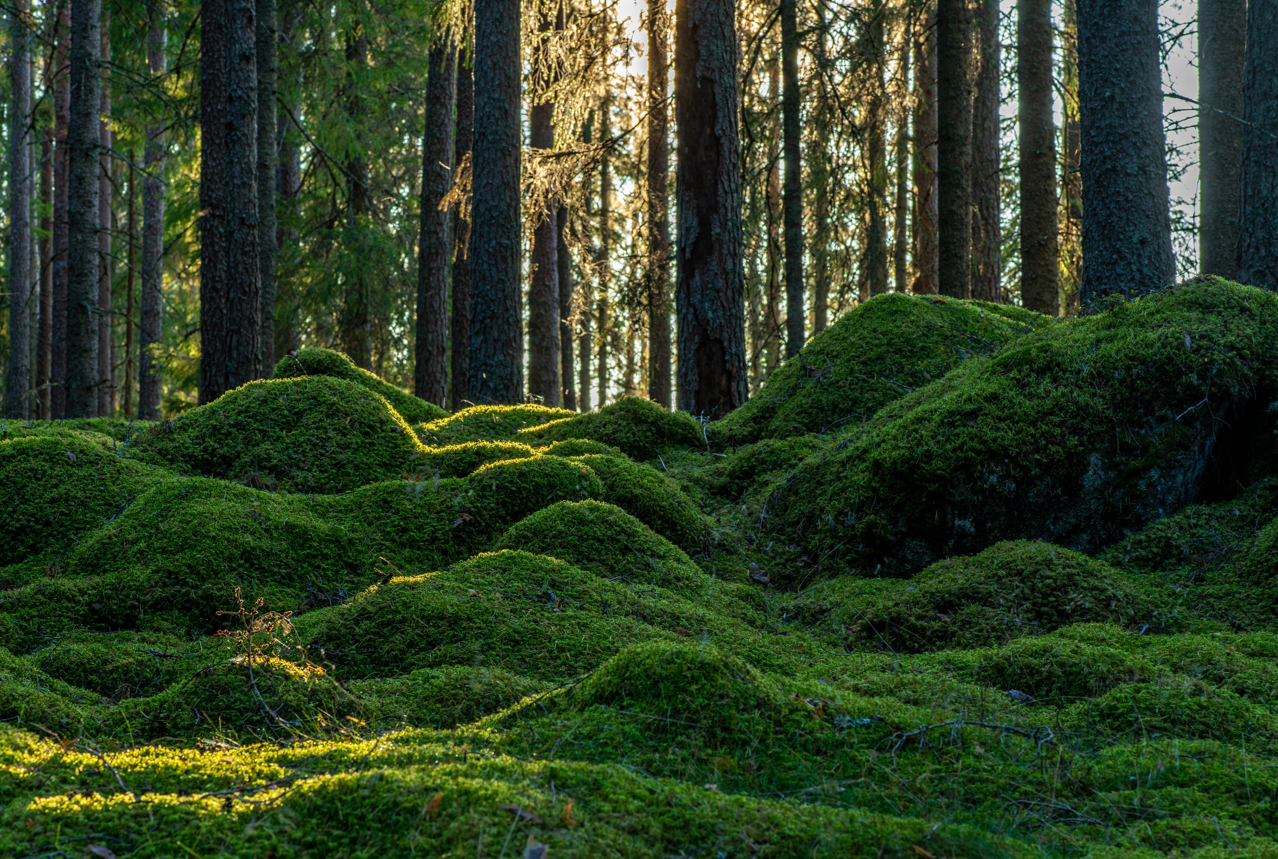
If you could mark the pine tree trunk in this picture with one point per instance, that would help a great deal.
(288, 183)
(954, 148)
(354, 323)
(430, 378)
(926, 202)
(1040, 264)
(987, 233)
(1126, 221)
(213, 215)
(496, 372)
(106, 228)
(875, 265)
(82, 211)
(18, 399)
(772, 295)
(126, 407)
(1258, 221)
(659, 358)
(460, 323)
(265, 38)
(708, 295)
(792, 132)
(1070, 230)
(1222, 41)
(152, 309)
(564, 262)
(604, 261)
(901, 208)
(543, 286)
(61, 205)
(44, 336)
(585, 333)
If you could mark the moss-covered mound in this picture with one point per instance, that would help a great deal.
(1174, 706)
(328, 362)
(311, 434)
(639, 428)
(1007, 591)
(486, 423)
(874, 354)
(651, 497)
(445, 697)
(118, 665)
(461, 460)
(1073, 434)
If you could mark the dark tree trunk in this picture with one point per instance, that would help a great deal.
(659, 363)
(44, 336)
(954, 148)
(543, 286)
(987, 233)
(708, 295)
(901, 207)
(795, 313)
(61, 205)
(430, 378)
(772, 294)
(288, 184)
(496, 372)
(874, 269)
(585, 333)
(18, 391)
(1126, 221)
(106, 228)
(564, 262)
(354, 323)
(1222, 41)
(1040, 264)
(460, 333)
(126, 407)
(265, 52)
(1258, 221)
(152, 310)
(213, 216)
(82, 211)
(819, 167)
(926, 201)
(603, 263)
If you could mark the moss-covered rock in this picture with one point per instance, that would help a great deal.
(30, 697)
(1073, 434)
(639, 428)
(650, 497)
(1060, 671)
(328, 362)
(486, 423)
(874, 354)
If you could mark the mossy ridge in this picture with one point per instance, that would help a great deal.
(639, 428)
(109, 432)
(443, 697)
(329, 362)
(30, 697)
(1073, 434)
(463, 459)
(872, 355)
(120, 665)
(486, 423)
(651, 497)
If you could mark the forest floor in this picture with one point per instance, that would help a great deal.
(961, 581)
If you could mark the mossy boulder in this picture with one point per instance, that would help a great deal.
(1008, 591)
(874, 354)
(30, 697)
(1075, 434)
(461, 460)
(486, 423)
(329, 362)
(1259, 565)
(639, 428)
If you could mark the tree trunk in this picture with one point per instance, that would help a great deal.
(901, 207)
(213, 216)
(954, 148)
(987, 233)
(152, 310)
(659, 358)
(1070, 231)
(1040, 263)
(460, 323)
(1222, 41)
(604, 261)
(772, 294)
(1126, 221)
(106, 228)
(61, 205)
(874, 272)
(82, 211)
(126, 407)
(44, 337)
(18, 391)
(712, 360)
(288, 183)
(564, 262)
(926, 202)
(543, 286)
(1258, 221)
(795, 313)
(430, 377)
(585, 332)
(265, 37)
(354, 323)
(496, 371)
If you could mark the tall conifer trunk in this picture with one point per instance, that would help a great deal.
(1258, 203)
(659, 363)
(987, 233)
(106, 228)
(430, 379)
(1222, 41)
(82, 211)
(18, 390)
(61, 205)
(152, 309)
(355, 321)
(459, 324)
(792, 105)
(604, 261)
(543, 287)
(926, 203)
(265, 39)
(901, 207)
(954, 148)
(874, 269)
(1040, 268)
(44, 337)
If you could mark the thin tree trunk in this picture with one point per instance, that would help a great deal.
(954, 148)
(130, 236)
(152, 310)
(354, 323)
(1222, 41)
(265, 38)
(1126, 223)
(772, 295)
(44, 337)
(213, 215)
(460, 323)
(987, 233)
(585, 333)
(288, 183)
(243, 244)
(1258, 223)
(901, 207)
(795, 314)
(819, 166)
(430, 378)
(926, 201)
(1040, 266)
(708, 295)
(543, 286)
(106, 228)
(564, 263)
(604, 261)
(61, 206)
(18, 397)
(875, 261)
(82, 211)
(496, 372)
(1070, 231)
(659, 358)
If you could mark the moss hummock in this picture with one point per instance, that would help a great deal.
(486, 423)
(639, 428)
(329, 362)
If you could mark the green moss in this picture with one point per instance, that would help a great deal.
(1173, 706)
(1007, 591)
(639, 428)
(1073, 434)
(118, 665)
(1260, 563)
(872, 355)
(1059, 671)
(650, 497)
(460, 460)
(310, 434)
(327, 362)
(30, 697)
(581, 447)
(486, 423)
(445, 697)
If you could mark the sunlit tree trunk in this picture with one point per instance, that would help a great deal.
(901, 207)
(585, 333)
(772, 292)
(792, 105)
(659, 358)
(1070, 220)
(543, 286)
(875, 259)
(604, 260)
(430, 380)
(926, 211)
(463, 143)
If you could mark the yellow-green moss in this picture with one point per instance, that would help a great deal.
(650, 497)
(118, 665)
(444, 697)
(486, 423)
(328, 362)
(639, 428)
(460, 460)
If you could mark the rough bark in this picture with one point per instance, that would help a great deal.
(44, 336)
(243, 238)
(354, 322)
(496, 342)
(585, 334)
(126, 407)
(792, 105)
(61, 203)
(1126, 222)
(901, 205)
(213, 176)
(775, 251)
(152, 306)
(106, 228)
(288, 183)
(603, 263)
(82, 211)
(659, 363)
(926, 211)
(1070, 230)
(265, 38)
(874, 265)
(543, 285)
(712, 359)
(954, 148)
(460, 322)
(987, 233)
(430, 377)
(564, 262)
(1040, 265)
(18, 398)
(1222, 41)
(1258, 221)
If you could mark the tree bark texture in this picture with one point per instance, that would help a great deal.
(901, 207)
(18, 396)
(709, 291)
(106, 228)
(152, 305)
(776, 252)
(463, 143)
(1070, 229)
(126, 406)
(288, 183)
(82, 211)
(1258, 221)
(603, 263)
(44, 336)
(791, 150)
(874, 266)
(987, 233)
(926, 202)
(564, 263)
(585, 331)
(954, 148)
(61, 204)
(265, 38)
(543, 286)
(1126, 221)
(213, 215)
(659, 357)
(354, 323)
(496, 372)
(1222, 41)
(1040, 264)
(430, 377)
